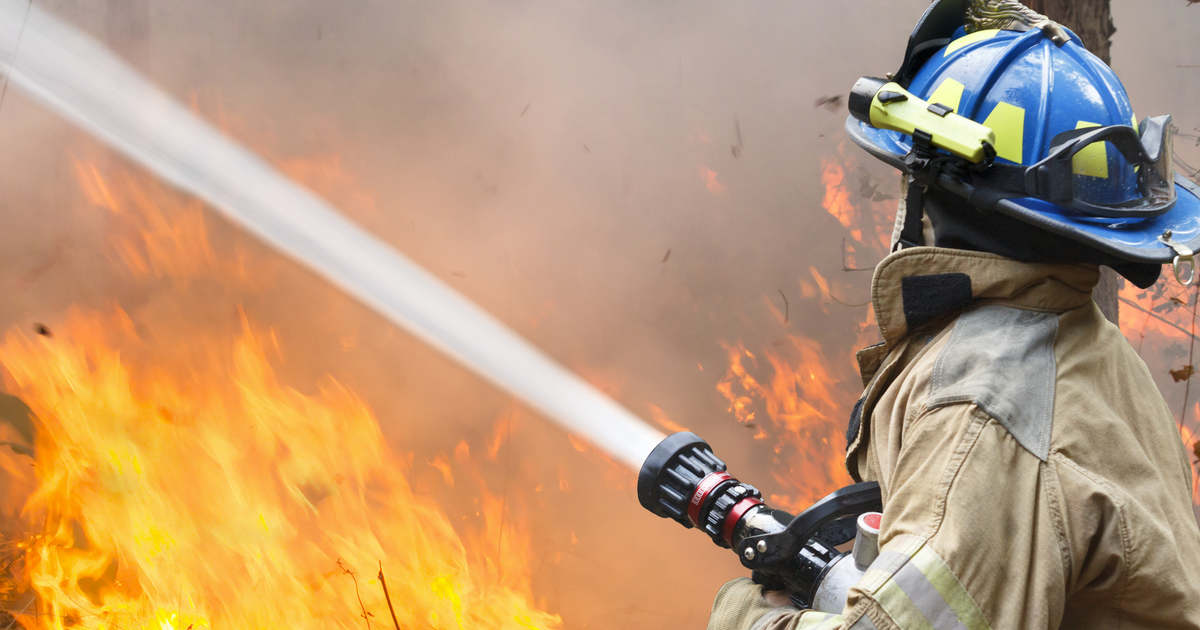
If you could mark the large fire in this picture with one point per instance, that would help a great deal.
(1160, 323)
(186, 485)
(197, 488)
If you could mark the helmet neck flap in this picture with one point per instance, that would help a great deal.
(953, 224)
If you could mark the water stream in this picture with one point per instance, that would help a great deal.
(83, 81)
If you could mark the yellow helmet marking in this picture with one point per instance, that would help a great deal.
(1008, 121)
(1093, 159)
(1137, 168)
(949, 93)
(967, 40)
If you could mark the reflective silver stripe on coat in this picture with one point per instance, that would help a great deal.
(927, 599)
(1002, 359)
(923, 593)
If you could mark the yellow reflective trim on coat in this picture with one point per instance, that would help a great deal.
(920, 591)
(1008, 122)
(813, 620)
(1093, 159)
(949, 93)
(951, 590)
(967, 40)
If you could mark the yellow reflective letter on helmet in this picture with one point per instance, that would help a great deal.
(1007, 121)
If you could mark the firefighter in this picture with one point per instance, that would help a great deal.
(1032, 475)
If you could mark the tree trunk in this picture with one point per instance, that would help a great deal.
(1092, 22)
(1090, 19)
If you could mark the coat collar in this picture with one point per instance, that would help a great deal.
(924, 284)
(917, 285)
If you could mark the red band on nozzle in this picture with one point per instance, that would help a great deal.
(703, 489)
(735, 514)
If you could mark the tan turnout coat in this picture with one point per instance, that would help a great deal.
(1032, 475)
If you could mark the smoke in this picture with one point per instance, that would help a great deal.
(543, 157)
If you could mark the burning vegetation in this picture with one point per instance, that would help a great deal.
(176, 477)
(185, 486)
(794, 394)
(197, 488)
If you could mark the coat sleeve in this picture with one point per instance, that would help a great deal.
(970, 540)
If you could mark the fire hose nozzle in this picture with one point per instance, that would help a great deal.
(683, 480)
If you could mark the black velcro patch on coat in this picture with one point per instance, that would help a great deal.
(855, 422)
(926, 298)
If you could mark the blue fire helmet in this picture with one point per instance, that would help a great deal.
(1071, 157)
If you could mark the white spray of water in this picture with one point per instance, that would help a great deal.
(80, 79)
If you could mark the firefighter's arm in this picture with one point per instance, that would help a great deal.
(969, 540)
(741, 605)
(972, 534)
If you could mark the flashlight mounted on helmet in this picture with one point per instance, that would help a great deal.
(684, 481)
(886, 104)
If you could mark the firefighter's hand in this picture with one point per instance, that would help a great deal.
(741, 602)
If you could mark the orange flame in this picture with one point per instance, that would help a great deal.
(837, 197)
(711, 182)
(872, 215)
(791, 395)
(194, 489)
(151, 244)
(1191, 440)
(804, 408)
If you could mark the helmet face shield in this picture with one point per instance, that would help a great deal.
(1158, 141)
(1084, 167)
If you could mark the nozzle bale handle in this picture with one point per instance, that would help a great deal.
(887, 105)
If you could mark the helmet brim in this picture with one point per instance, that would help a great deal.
(1132, 240)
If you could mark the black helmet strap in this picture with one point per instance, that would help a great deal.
(924, 166)
(912, 233)
(935, 30)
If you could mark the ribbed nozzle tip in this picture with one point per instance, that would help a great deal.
(671, 473)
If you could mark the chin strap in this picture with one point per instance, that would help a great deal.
(922, 165)
(912, 232)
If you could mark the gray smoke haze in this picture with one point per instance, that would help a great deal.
(543, 157)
